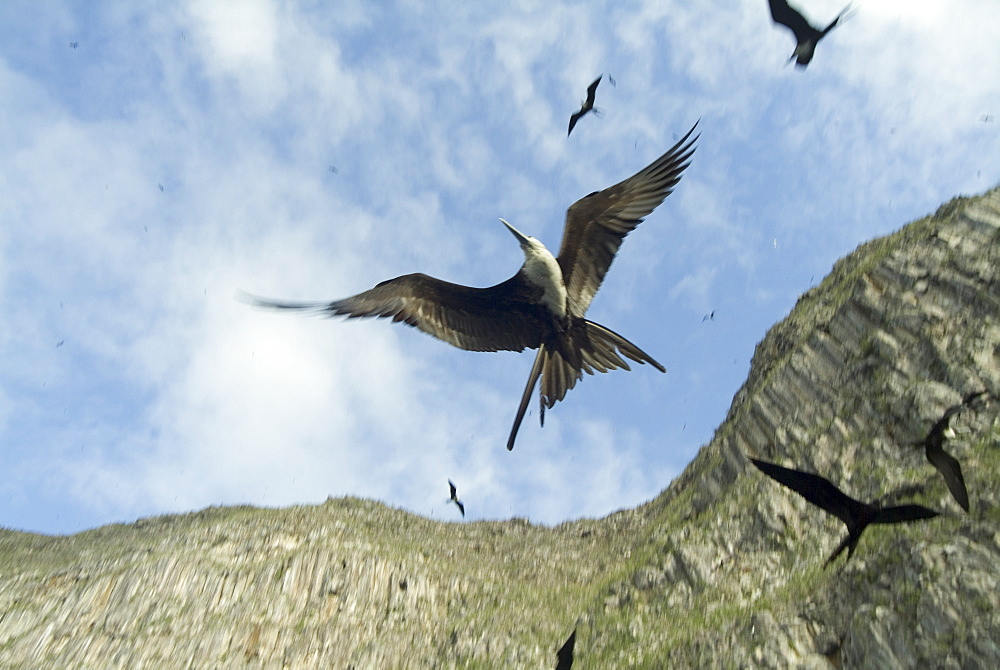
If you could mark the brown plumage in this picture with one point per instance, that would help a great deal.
(543, 305)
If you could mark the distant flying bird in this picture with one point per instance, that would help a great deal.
(854, 513)
(60, 343)
(73, 45)
(944, 462)
(454, 498)
(333, 169)
(565, 654)
(161, 187)
(806, 36)
(543, 305)
(585, 106)
(708, 317)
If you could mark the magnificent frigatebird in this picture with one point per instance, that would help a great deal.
(454, 497)
(854, 513)
(543, 305)
(565, 654)
(806, 36)
(945, 463)
(585, 106)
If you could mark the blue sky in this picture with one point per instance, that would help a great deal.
(133, 384)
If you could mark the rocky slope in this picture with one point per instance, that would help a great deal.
(723, 569)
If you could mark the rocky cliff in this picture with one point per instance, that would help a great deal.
(723, 569)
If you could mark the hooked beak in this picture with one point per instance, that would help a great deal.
(522, 239)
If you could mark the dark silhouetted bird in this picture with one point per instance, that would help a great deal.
(585, 106)
(73, 45)
(945, 463)
(565, 654)
(708, 317)
(806, 36)
(855, 514)
(454, 498)
(543, 305)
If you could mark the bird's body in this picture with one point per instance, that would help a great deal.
(543, 305)
(454, 498)
(855, 514)
(942, 461)
(806, 36)
(585, 106)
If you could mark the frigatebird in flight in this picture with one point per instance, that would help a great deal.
(855, 514)
(564, 657)
(454, 498)
(806, 36)
(543, 305)
(944, 462)
(585, 106)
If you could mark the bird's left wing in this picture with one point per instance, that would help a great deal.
(817, 490)
(475, 319)
(785, 15)
(597, 223)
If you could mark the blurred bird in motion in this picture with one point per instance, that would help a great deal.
(806, 36)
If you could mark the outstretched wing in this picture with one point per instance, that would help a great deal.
(453, 490)
(564, 657)
(936, 435)
(573, 119)
(904, 513)
(783, 13)
(591, 93)
(475, 319)
(817, 490)
(950, 469)
(597, 223)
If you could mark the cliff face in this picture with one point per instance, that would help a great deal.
(723, 569)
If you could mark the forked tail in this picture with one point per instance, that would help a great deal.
(586, 347)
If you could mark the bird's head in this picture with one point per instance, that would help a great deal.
(526, 241)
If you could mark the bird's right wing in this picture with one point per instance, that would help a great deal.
(572, 122)
(903, 513)
(564, 657)
(475, 319)
(592, 93)
(817, 490)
